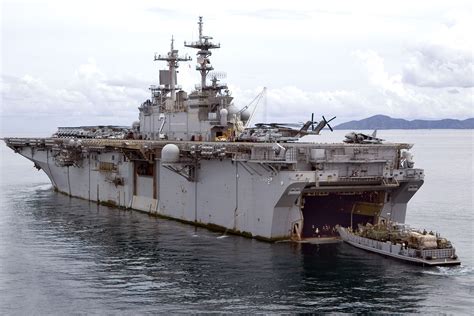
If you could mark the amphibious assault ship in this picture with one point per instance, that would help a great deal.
(194, 158)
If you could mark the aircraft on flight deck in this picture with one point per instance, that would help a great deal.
(361, 138)
(283, 131)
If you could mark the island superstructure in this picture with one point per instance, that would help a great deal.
(186, 159)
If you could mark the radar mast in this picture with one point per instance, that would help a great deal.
(204, 45)
(168, 77)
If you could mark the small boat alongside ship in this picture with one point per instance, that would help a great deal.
(401, 242)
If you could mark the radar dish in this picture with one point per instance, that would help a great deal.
(217, 75)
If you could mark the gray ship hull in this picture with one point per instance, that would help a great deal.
(268, 197)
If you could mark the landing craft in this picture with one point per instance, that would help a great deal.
(360, 138)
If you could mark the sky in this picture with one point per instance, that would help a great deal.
(69, 63)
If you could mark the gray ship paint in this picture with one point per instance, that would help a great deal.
(186, 159)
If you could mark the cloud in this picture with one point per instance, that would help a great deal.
(274, 14)
(377, 74)
(384, 93)
(397, 98)
(440, 67)
(292, 104)
(91, 93)
(93, 97)
(445, 57)
(170, 13)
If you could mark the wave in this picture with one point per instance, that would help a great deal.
(42, 187)
(451, 271)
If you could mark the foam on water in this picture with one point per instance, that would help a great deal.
(461, 270)
(42, 187)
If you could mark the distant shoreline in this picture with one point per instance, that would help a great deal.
(383, 122)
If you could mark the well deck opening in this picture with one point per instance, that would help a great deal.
(322, 211)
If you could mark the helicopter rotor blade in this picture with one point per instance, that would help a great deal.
(326, 122)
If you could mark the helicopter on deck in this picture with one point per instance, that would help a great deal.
(283, 132)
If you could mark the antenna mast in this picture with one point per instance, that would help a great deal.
(204, 45)
(172, 58)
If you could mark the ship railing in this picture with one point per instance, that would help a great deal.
(343, 159)
(25, 142)
(361, 179)
(438, 253)
(270, 156)
(391, 182)
(238, 156)
(410, 174)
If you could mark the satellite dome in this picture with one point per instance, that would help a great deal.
(245, 115)
(170, 153)
(232, 109)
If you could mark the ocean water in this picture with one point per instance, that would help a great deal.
(61, 255)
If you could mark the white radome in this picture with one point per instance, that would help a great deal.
(245, 115)
(170, 153)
